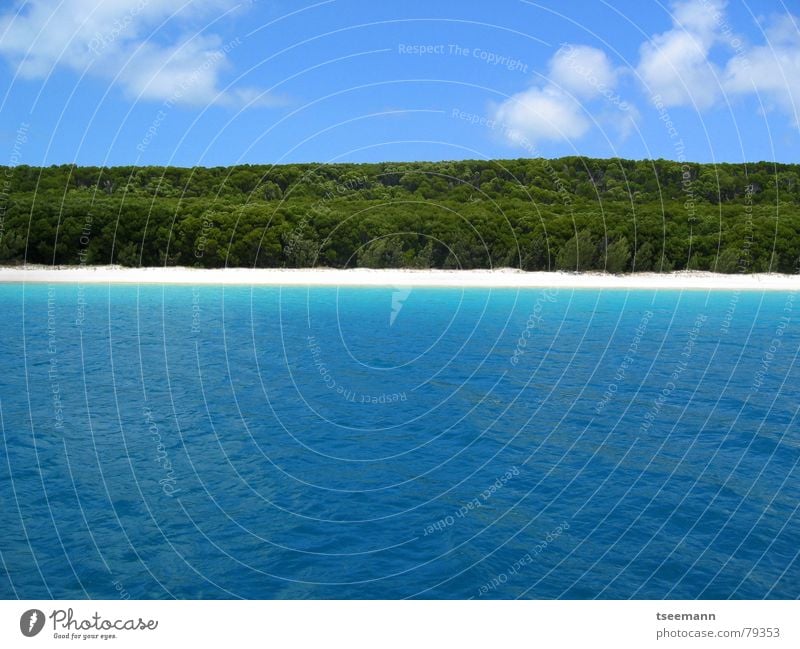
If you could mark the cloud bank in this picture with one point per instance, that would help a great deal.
(699, 63)
(153, 49)
(579, 86)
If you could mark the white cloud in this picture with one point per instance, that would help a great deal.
(676, 65)
(579, 88)
(584, 71)
(623, 120)
(155, 49)
(772, 70)
(541, 114)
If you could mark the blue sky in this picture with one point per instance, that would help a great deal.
(218, 82)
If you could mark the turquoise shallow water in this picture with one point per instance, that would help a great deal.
(215, 442)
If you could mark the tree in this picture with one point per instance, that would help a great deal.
(535, 256)
(127, 254)
(231, 215)
(618, 256)
(271, 191)
(729, 261)
(644, 259)
(300, 249)
(579, 253)
(386, 252)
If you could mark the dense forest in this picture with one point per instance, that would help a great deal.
(569, 213)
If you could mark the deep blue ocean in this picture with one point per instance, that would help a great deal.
(258, 442)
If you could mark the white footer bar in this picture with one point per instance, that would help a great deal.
(416, 624)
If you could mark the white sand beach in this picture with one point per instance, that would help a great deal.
(499, 278)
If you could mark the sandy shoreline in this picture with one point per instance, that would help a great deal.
(500, 278)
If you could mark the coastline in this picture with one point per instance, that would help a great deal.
(499, 278)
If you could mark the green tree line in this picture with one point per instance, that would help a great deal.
(536, 214)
